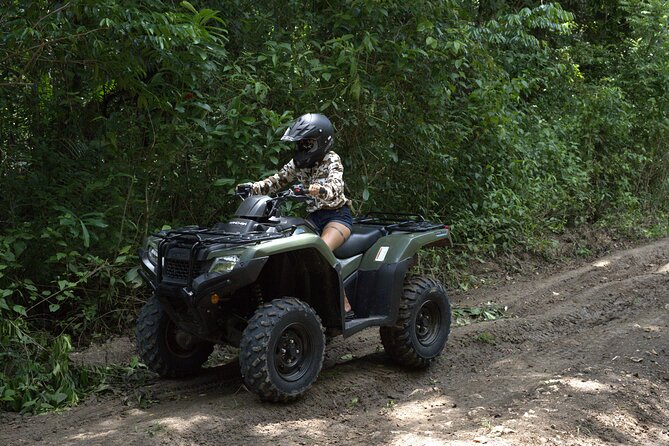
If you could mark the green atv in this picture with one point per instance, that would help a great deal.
(268, 284)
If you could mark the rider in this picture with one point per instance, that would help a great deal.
(319, 169)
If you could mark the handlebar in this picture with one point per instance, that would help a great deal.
(244, 190)
(297, 191)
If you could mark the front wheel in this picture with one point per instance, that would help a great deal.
(423, 324)
(281, 351)
(164, 348)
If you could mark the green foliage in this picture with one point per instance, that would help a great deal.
(51, 277)
(36, 375)
(48, 286)
(468, 315)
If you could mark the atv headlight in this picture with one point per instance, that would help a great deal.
(152, 249)
(224, 264)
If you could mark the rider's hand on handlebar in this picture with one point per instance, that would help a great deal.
(298, 189)
(244, 189)
(317, 190)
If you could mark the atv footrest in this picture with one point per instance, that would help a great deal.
(355, 325)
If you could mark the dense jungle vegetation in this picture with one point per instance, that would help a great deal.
(514, 120)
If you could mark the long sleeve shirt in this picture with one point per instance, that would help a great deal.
(328, 174)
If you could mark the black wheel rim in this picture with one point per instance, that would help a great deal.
(428, 323)
(178, 342)
(293, 353)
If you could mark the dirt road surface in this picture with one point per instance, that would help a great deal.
(582, 358)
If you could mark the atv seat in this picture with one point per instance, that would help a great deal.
(361, 239)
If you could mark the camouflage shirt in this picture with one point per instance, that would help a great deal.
(328, 173)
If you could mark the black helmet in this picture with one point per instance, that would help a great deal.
(313, 134)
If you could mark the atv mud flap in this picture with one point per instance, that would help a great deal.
(377, 296)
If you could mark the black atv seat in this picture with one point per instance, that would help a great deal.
(361, 239)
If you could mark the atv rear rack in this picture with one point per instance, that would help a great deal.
(391, 221)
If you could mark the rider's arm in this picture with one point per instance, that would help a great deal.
(334, 183)
(275, 182)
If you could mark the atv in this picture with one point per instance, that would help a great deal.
(268, 284)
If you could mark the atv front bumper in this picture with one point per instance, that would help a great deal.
(193, 307)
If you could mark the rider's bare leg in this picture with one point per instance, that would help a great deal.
(334, 235)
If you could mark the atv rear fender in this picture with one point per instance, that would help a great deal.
(399, 246)
(375, 289)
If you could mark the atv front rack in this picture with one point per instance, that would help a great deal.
(390, 222)
(195, 238)
(205, 236)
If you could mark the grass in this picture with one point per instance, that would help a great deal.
(485, 337)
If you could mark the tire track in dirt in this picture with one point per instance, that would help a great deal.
(581, 360)
(596, 351)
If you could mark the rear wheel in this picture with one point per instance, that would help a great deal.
(423, 324)
(281, 351)
(164, 348)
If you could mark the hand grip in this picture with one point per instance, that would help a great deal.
(244, 190)
(298, 189)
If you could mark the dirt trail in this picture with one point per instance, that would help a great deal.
(583, 359)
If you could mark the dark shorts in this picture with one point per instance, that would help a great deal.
(322, 217)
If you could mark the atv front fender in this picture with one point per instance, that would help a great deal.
(294, 243)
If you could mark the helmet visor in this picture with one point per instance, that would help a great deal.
(305, 145)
